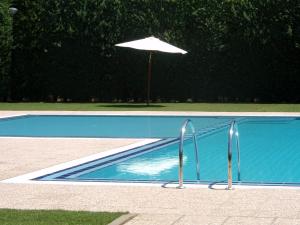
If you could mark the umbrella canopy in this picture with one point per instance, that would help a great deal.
(151, 44)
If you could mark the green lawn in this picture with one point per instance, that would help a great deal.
(55, 217)
(207, 107)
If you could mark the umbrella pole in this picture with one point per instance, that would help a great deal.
(149, 78)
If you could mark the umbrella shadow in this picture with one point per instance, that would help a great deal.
(132, 106)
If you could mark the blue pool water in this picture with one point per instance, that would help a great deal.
(101, 126)
(270, 153)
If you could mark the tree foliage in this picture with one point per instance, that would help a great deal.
(239, 50)
(5, 47)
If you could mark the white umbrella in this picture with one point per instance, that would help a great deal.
(151, 44)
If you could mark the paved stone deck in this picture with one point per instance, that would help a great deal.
(155, 205)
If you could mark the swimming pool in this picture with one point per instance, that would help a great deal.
(270, 151)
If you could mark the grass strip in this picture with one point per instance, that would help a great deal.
(204, 107)
(55, 217)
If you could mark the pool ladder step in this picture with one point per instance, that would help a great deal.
(232, 132)
(184, 127)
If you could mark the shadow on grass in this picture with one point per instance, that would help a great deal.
(132, 106)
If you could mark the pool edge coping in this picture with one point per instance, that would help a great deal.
(148, 113)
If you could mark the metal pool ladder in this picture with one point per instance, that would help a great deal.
(233, 130)
(181, 137)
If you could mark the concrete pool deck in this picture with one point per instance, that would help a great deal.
(154, 205)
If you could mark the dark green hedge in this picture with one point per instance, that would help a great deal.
(239, 50)
(5, 47)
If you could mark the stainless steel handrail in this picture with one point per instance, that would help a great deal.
(233, 130)
(182, 133)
